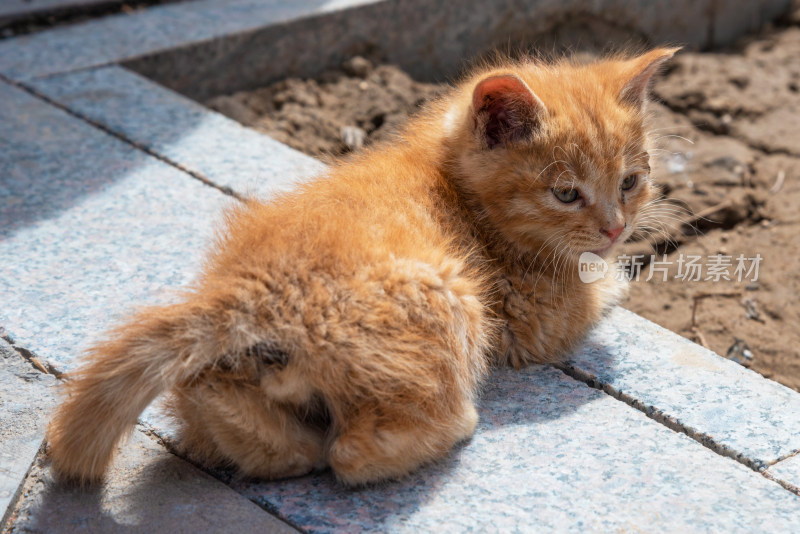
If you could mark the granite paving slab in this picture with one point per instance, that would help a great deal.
(729, 408)
(26, 395)
(180, 130)
(787, 472)
(147, 490)
(114, 38)
(550, 455)
(89, 227)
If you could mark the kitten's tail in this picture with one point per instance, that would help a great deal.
(159, 348)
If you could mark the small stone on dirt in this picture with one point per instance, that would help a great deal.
(357, 66)
(740, 353)
(353, 137)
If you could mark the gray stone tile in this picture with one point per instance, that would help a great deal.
(176, 128)
(89, 227)
(730, 408)
(550, 455)
(787, 472)
(114, 38)
(26, 395)
(148, 490)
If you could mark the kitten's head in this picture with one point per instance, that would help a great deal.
(556, 155)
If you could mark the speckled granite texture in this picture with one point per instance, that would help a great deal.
(148, 490)
(717, 400)
(550, 455)
(114, 38)
(89, 228)
(26, 395)
(174, 127)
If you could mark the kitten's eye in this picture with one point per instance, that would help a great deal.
(566, 196)
(629, 182)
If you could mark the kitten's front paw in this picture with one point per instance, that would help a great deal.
(512, 352)
(519, 344)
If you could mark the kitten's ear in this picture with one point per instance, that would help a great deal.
(639, 72)
(504, 110)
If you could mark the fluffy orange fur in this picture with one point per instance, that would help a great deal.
(350, 323)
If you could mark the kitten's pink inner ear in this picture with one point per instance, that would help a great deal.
(505, 109)
(641, 71)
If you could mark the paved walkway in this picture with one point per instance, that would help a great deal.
(110, 186)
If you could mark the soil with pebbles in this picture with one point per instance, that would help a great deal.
(728, 159)
(339, 111)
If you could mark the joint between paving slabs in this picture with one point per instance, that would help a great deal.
(784, 457)
(657, 415)
(224, 475)
(31, 357)
(673, 424)
(786, 485)
(138, 146)
(28, 480)
(274, 512)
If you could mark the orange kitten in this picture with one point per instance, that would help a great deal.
(351, 322)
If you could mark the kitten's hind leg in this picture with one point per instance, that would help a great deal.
(416, 354)
(396, 441)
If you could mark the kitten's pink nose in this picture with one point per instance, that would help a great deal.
(613, 234)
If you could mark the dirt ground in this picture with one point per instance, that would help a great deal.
(728, 137)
